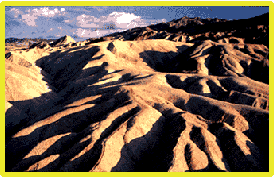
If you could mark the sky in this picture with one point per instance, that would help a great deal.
(83, 22)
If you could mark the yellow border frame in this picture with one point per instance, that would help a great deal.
(143, 174)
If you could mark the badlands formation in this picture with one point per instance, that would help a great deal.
(169, 97)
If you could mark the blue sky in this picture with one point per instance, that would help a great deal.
(86, 21)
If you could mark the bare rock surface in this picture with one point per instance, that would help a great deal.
(138, 105)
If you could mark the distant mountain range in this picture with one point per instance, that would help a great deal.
(253, 30)
(26, 41)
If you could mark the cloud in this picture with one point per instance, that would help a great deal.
(60, 21)
(116, 19)
(86, 21)
(33, 14)
(45, 11)
(122, 17)
(126, 20)
(29, 20)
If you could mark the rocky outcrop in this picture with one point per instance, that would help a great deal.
(63, 41)
(41, 45)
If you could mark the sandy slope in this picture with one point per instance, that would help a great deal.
(148, 105)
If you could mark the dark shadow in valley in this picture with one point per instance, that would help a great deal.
(258, 133)
(237, 160)
(85, 162)
(152, 152)
(170, 62)
(209, 168)
(218, 63)
(61, 67)
(197, 137)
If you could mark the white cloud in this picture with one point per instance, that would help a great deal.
(122, 17)
(125, 20)
(33, 14)
(117, 19)
(45, 12)
(86, 21)
(83, 33)
(29, 20)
